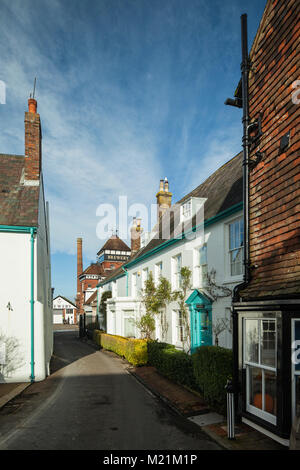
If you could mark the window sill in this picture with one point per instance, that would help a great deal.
(233, 280)
(261, 414)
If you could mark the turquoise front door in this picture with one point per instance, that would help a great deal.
(201, 318)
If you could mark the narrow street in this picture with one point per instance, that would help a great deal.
(90, 401)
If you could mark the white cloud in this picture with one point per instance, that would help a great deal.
(90, 155)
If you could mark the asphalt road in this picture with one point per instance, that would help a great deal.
(90, 401)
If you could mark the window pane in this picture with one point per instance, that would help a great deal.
(255, 387)
(251, 341)
(241, 232)
(237, 234)
(236, 262)
(129, 327)
(231, 237)
(179, 327)
(267, 343)
(297, 385)
(297, 338)
(270, 392)
(203, 255)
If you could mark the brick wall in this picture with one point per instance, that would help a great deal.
(275, 181)
(33, 139)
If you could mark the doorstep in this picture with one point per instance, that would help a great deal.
(192, 406)
(8, 391)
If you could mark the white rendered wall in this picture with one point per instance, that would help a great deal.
(15, 288)
(43, 291)
(217, 240)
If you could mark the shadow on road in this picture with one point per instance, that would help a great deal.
(68, 348)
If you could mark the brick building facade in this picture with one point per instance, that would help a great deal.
(111, 256)
(266, 309)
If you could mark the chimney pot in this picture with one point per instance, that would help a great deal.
(166, 185)
(32, 105)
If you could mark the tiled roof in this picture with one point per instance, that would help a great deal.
(18, 203)
(223, 190)
(94, 268)
(114, 243)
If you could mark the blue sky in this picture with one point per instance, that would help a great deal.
(129, 91)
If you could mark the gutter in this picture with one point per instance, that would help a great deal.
(32, 231)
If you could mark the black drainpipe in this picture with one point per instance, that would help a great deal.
(245, 67)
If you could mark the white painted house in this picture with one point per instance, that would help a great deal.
(26, 329)
(64, 310)
(211, 249)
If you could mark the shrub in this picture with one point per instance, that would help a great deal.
(174, 364)
(134, 350)
(212, 366)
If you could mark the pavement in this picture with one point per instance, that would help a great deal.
(191, 405)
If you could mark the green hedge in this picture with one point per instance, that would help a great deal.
(174, 364)
(134, 350)
(212, 366)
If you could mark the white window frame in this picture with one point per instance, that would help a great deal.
(134, 284)
(179, 328)
(158, 332)
(176, 329)
(114, 289)
(145, 276)
(128, 315)
(247, 364)
(158, 272)
(200, 271)
(230, 250)
(186, 210)
(294, 371)
(228, 277)
(176, 277)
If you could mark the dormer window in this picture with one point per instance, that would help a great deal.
(186, 210)
(191, 207)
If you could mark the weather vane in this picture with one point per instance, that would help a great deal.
(34, 84)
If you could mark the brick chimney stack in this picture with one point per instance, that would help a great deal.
(135, 231)
(164, 197)
(79, 271)
(33, 143)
